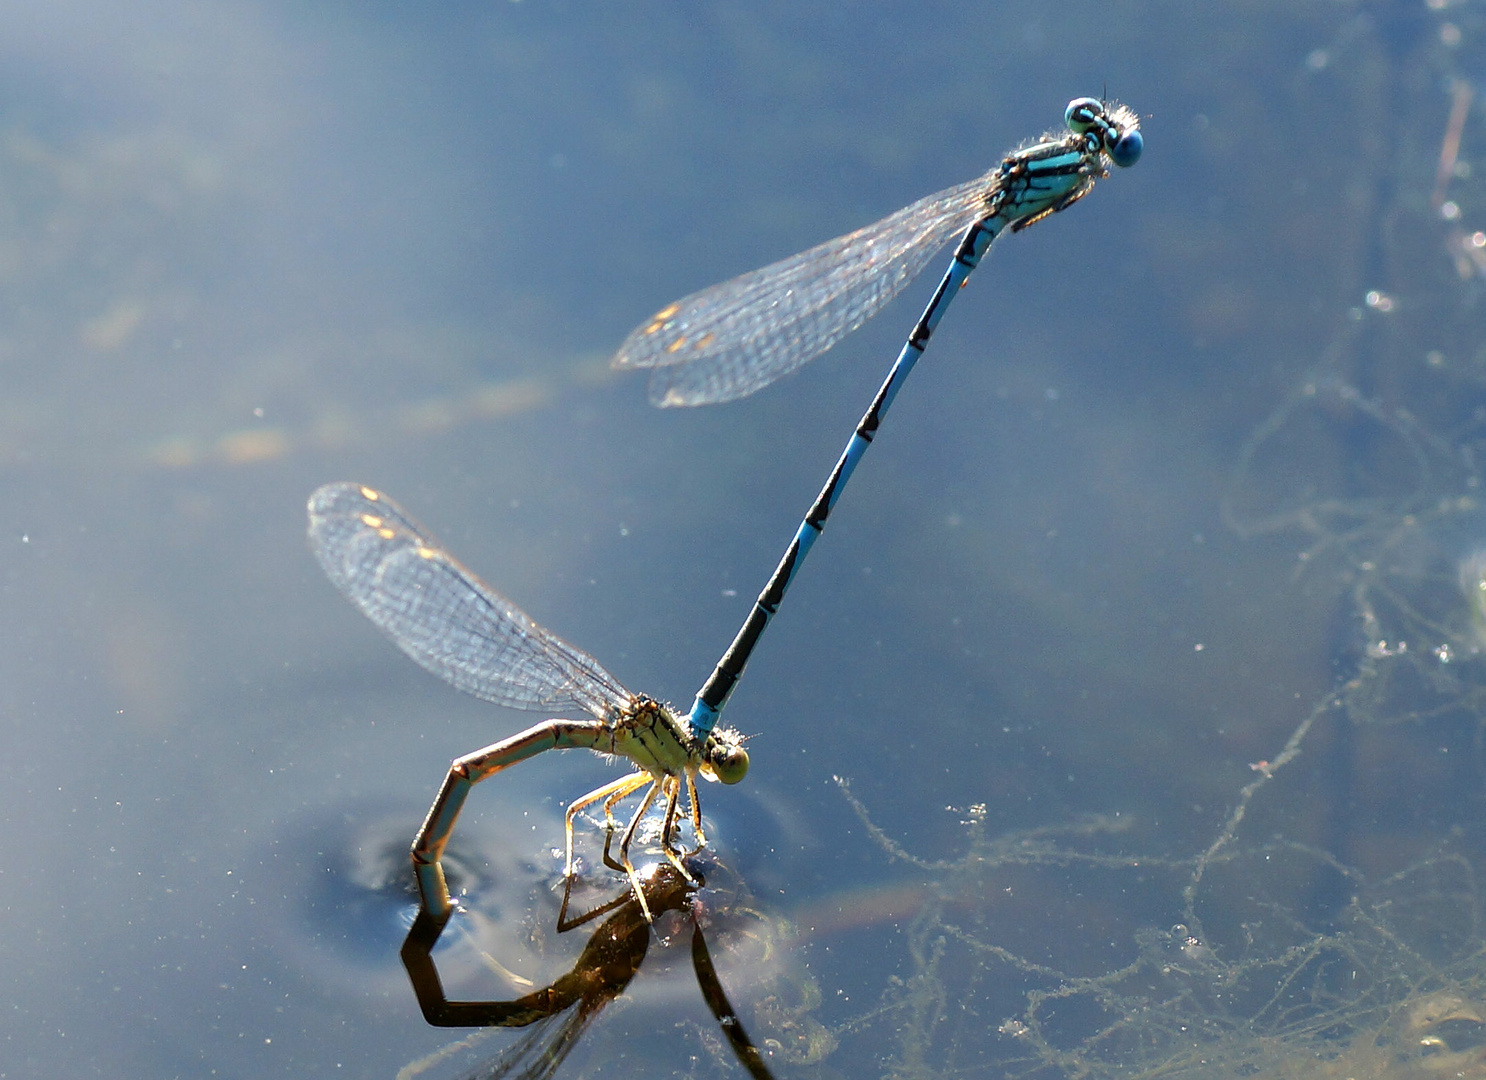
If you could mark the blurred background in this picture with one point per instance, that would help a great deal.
(1186, 466)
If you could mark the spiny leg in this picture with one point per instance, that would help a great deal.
(609, 861)
(696, 814)
(629, 834)
(672, 786)
(614, 791)
(610, 824)
(614, 800)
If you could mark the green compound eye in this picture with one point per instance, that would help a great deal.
(729, 763)
(1083, 113)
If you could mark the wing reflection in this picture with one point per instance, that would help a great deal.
(561, 1012)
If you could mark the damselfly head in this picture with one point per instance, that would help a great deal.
(723, 758)
(1116, 127)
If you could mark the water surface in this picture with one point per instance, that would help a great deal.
(1187, 465)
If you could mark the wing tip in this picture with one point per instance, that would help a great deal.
(337, 495)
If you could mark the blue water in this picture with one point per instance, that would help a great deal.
(246, 250)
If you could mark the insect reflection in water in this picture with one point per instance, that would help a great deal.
(559, 1014)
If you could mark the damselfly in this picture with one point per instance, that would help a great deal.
(462, 630)
(737, 337)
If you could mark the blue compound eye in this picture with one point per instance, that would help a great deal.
(1126, 149)
(1082, 114)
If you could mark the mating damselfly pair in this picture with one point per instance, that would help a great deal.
(722, 343)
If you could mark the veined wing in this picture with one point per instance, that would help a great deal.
(733, 339)
(445, 617)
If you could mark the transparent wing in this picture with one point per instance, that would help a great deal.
(443, 616)
(733, 339)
